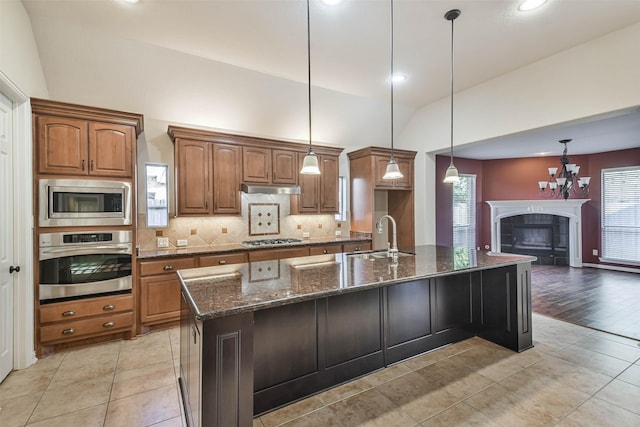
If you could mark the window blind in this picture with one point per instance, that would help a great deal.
(621, 214)
(464, 212)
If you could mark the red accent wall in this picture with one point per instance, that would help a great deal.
(516, 179)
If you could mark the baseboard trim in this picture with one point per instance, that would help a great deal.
(612, 267)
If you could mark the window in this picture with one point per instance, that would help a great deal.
(621, 214)
(464, 212)
(342, 199)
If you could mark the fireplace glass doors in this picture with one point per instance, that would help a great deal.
(541, 235)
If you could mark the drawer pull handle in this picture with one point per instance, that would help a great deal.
(167, 267)
(222, 262)
(108, 307)
(325, 251)
(358, 248)
(68, 313)
(68, 331)
(109, 324)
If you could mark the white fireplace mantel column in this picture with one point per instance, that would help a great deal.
(571, 208)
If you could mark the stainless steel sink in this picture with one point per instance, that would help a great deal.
(377, 255)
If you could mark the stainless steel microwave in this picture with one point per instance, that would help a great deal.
(70, 202)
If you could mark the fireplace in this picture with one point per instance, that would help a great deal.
(570, 209)
(544, 236)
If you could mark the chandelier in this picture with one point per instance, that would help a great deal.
(566, 181)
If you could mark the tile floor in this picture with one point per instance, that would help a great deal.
(573, 377)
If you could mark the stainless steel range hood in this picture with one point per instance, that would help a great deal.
(269, 188)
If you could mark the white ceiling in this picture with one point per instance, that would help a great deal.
(350, 45)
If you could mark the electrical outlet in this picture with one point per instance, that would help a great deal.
(338, 233)
(305, 234)
(163, 242)
(181, 242)
(595, 252)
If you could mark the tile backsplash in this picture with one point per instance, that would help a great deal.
(204, 231)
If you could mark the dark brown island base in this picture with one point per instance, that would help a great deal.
(260, 335)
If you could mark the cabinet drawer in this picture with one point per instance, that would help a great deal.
(357, 247)
(166, 266)
(325, 249)
(269, 254)
(84, 308)
(69, 331)
(212, 260)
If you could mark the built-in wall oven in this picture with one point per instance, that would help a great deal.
(74, 202)
(77, 264)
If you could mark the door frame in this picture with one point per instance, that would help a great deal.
(23, 294)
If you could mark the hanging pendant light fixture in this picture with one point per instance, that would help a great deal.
(310, 162)
(392, 171)
(451, 175)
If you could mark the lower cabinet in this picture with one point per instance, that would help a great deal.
(68, 321)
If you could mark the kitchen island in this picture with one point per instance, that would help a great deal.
(260, 335)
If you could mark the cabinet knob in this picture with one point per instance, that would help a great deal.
(108, 307)
(222, 262)
(68, 331)
(167, 267)
(109, 324)
(68, 313)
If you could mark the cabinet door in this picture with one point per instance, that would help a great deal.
(285, 167)
(110, 152)
(256, 164)
(192, 174)
(226, 179)
(308, 199)
(159, 298)
(406, 167)
(329, 184)
(62, 146)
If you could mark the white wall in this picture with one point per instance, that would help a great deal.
(597, 77)
(19, 60)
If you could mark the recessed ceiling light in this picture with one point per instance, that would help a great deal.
(398, 78)
(528, 5)
(130, 1)
(331, 2)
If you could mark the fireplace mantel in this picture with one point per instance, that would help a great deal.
(571, 208)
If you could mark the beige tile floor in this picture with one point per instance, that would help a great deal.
(573, 377)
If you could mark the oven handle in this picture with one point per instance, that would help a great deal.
(46, 253)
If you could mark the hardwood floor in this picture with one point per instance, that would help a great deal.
(600, 299)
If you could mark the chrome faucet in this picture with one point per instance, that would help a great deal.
(392, 250)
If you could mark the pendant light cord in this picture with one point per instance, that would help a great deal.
(309, 66)
(452, 90)
(391, 79)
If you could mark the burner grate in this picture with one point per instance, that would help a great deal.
(271, 242)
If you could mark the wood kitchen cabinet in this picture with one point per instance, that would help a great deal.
(67, 321)
(207, 178)
(318, 193)
(371, 196)
(76, 140)
(269, 166)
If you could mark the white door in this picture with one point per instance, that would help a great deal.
(6, 239)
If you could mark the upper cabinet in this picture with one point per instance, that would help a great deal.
(76, 140)
(269, 166)
(406, 167)
(211, 166)
(318, 193)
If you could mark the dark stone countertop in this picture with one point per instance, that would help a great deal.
(238, 247)
(232, 289)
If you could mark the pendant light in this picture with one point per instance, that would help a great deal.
(310, 162)
(392, 171)
(451, 175)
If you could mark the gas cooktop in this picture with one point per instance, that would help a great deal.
(270, 242)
